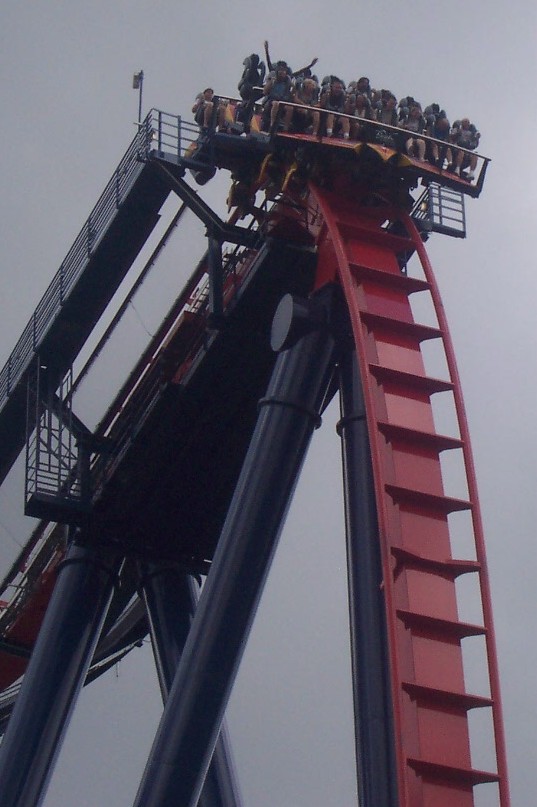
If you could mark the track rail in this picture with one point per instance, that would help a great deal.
(425, 634)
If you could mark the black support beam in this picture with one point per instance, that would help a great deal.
(170, 597)
(288, 415)
(55, 674)
(375, 750)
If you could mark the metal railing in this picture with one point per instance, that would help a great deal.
(441, 210)
(76, 260)
(170, 134)
(383, 134)
(56, 458)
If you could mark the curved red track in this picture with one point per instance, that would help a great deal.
(357, 246)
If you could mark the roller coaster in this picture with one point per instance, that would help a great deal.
(299, 297)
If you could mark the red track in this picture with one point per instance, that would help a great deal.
(430, 700)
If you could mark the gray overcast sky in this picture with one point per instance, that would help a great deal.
(68, 110)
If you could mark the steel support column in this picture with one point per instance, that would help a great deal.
(375, 752)
(193, 713)
(55, 674)
(168, 601)
(171, 600)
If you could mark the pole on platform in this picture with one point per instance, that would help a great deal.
(55, 674)
(189, 727)
(375, 750)
(170, 601)
(138, 84)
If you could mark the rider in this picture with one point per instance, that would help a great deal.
(359, 106)
(203, 109)
(307, 94)
(438, 126)
(303, 72)
(278, 87)
(250, 87)
(414, 125)
(333, 99)
(251, 84)
(387, 111)
(465, 135)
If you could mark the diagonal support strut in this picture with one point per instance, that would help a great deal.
(191, 721)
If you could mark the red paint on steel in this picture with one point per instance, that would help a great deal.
(26, 622)
(425, 635)
(476, 513)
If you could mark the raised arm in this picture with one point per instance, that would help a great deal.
(307, 67)
(269, 63)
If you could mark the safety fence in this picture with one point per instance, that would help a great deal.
(441, 210)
